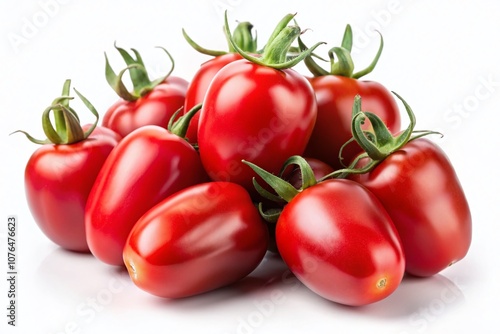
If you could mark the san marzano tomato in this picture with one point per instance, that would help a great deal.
(150, 102)
(416, 183)
(335, 91)
(198, 86)
(337, 238)
(421, 191)
(257, 110)
(339, 241)
(199, 239)
(59, 175)
(148, 165)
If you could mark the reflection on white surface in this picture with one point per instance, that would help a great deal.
(90, 296)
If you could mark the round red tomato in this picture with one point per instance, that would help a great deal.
(154, 108)
(339, 241)
(422, 193)
(256, 113)
(335, 95)
(58, 180)
(199, 239)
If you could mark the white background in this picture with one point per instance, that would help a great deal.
(442, 57)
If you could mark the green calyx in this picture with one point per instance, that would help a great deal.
(276, 53)
(285, 192)
(141, 82)
(343, 65)
(242, 36)
(67, 128)
(378, 143)
(180, 126)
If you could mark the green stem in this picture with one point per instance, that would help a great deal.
(271, 215)
(344, 66)
(180, 126)
(137, 70)
(58, 113)
(158, 81)
(311, 65)
(374, 62)
(284, 189)
(347, 39)
(276, 51)
(67, 128)
(307, 174)
(92, 109)
(141, 82)
(243, 37)
(199, 48)
(279, 27)
(378, 143)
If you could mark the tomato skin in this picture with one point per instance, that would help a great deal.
(103, 131)
(144, 168)
(58, 180)
(420, 189)
(202, 238)
(255, 113)
(339, 241)
(335, 97)
(199, 85)
(293, 176)
(155, 108)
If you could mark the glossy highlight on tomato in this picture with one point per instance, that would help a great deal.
(422, 193)
(202, 238)
(145, 167)
(199, 85)
(339, 241)
(154, 108)
(255, 113)
(58, 180)
(60, 174)
(335, 91)
(418, 186)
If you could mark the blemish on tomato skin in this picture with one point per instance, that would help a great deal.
(131, 269)
(382, 283)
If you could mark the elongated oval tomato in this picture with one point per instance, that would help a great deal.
(421, 191)
(198, 88)
(293, 176)
(145, 167)
(340, 242)
(256, 113)
(58, 180)
(199, 239)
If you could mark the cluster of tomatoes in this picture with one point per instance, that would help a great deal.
(188, 185)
